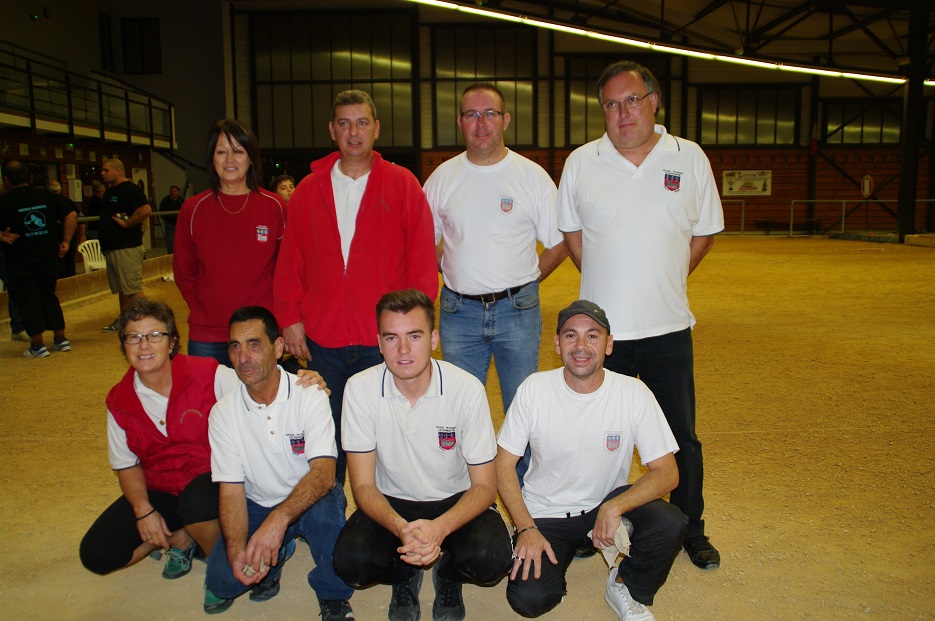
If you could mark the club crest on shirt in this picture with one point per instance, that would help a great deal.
(262, 233)
(506, 204)
(446, 438)
(611, 441)
(673, 180)
(297, 443)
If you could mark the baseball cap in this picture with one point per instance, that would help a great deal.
(583, 307)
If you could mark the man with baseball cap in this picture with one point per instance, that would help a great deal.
(581, 422)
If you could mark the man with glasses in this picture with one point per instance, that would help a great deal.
(490, 205)
(639, 208)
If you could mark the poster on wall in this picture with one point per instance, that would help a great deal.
(747, 183)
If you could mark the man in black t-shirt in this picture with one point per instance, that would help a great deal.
(32, 243)
(120, 231)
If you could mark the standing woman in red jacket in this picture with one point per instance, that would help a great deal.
(157, 435)
(227, 239)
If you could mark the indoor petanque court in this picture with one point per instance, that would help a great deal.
(814, 361)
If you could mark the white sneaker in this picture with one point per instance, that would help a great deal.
(618, 596)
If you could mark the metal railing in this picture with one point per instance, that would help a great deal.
(34, 88)
(814, 226)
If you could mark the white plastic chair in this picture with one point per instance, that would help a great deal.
(91, 255)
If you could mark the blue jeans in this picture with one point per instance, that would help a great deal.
(168, 229)
(320, 525)
(336, 365)
(665, 364)
(218, 351)
(509, 330)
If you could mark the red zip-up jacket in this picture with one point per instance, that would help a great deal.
(393, 248)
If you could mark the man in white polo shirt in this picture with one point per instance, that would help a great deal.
(639, 208)
(420, 448)
(273, 453)
(490, 205)
(582, 422)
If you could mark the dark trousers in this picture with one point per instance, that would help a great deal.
(336, 366)
(666, 365)
(32, 290)
(479, 552)
(658, 531)
(111, 540)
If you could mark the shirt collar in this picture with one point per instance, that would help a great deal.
(282, 395)
(388, 389)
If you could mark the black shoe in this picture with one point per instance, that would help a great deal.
(449, 605)
(266, 589)
(404, 605)
(585, 548)
(214, 604)
(335, 610)
(701, 552)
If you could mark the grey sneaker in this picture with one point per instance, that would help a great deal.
(628, 609)
(404, 605)
(449, 605)
(62, 345)
(112, 327)
(42, 352)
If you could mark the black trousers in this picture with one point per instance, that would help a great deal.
(32, 289)
(479, 552)
(658, 531)
(109, 543)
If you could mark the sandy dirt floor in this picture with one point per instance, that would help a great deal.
(814, 364)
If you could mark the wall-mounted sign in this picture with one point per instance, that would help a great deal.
(747, 183)
(23, 148)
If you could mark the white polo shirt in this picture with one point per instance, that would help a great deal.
(582, 445)
(490, 218)
(268, 447)
(155, 405)
(636, 225)
(423, 452)
(348, 193)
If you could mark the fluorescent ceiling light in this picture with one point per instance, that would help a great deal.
(593, 34)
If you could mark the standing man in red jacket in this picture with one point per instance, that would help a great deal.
(358, 227)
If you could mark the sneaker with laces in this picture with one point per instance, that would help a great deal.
(62, 345)
(618, 597)
(214, 604)
(449, 605)
(701, 552)
(111, 327)
(335, 610)
(42, 352)
(268, 587)
(404, 605)
(180, 561)
(20, 336)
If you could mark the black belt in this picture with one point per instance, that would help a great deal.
(490, 298)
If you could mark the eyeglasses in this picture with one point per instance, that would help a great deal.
(473, 115)
(633, 101)
(151, 337)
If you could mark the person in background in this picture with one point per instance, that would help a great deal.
(171, 202)
(284, 185)
(33, 243)
(120, 229)
(227, 240)
(95, 204)
(66, 264)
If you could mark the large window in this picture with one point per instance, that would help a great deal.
(142, 49)
(868, 122)
(503, 55)
(585, 117)
(302, 61)
(756, 115)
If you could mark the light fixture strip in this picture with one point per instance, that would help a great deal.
(539, 23)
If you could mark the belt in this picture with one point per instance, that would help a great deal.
(490, 298)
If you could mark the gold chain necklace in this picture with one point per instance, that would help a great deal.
(233, 213)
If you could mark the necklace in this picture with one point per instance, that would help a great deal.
(233, 213)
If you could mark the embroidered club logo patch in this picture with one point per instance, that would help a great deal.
(297, 445)
(506, 204)
(262, 233)
(611, 441)
(673, 180)
(447, 440)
